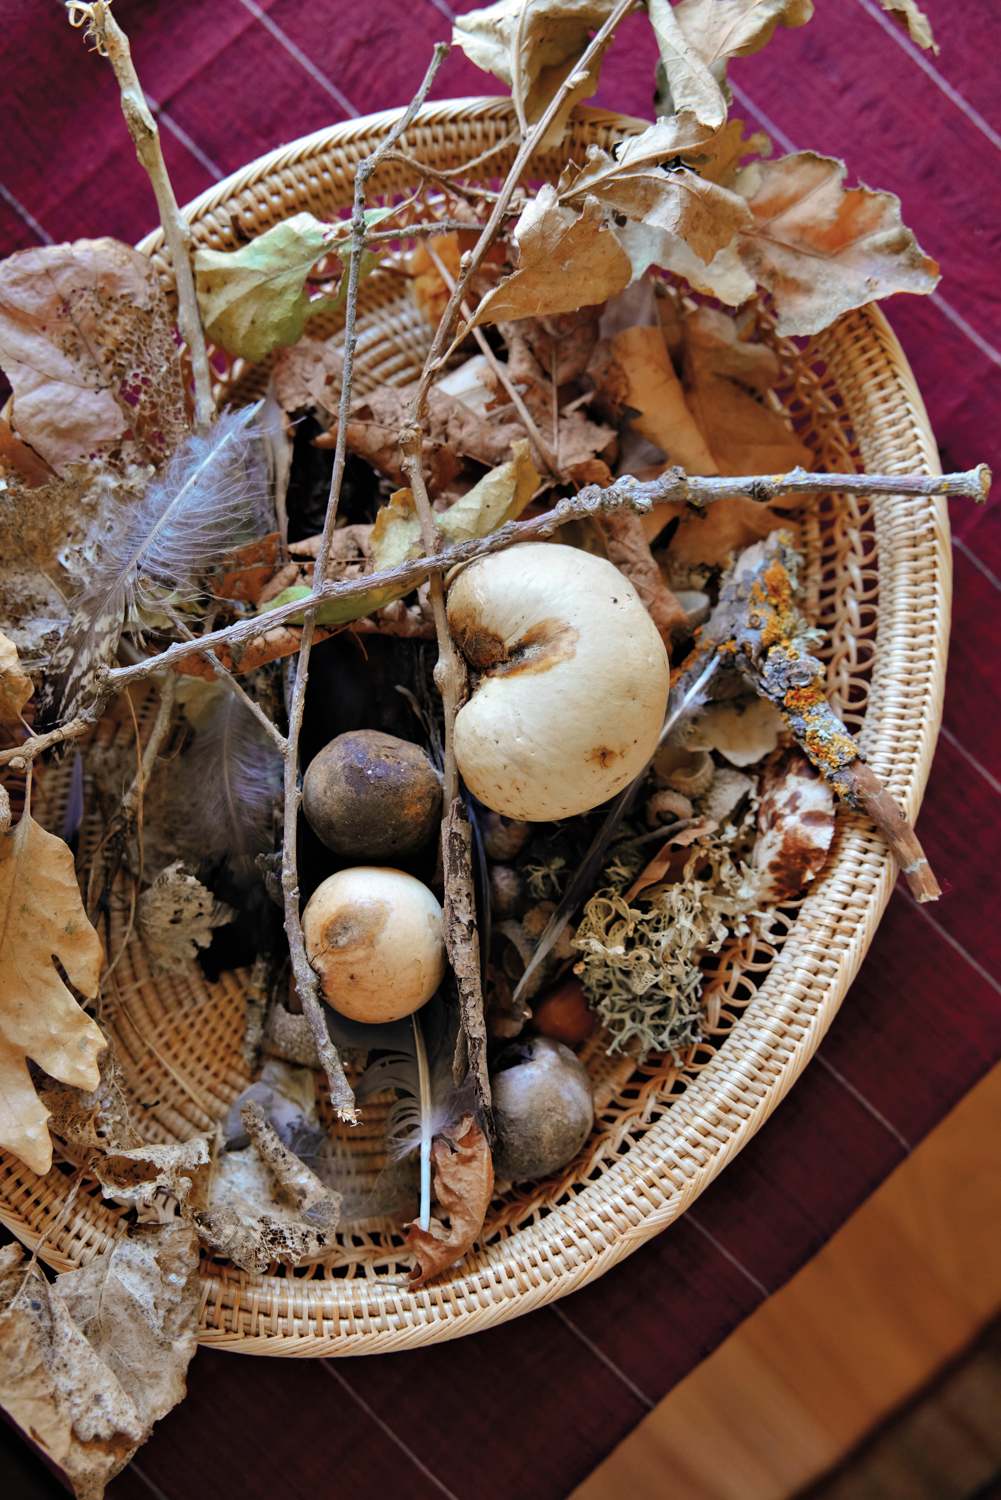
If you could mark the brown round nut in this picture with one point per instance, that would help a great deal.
(542, 1108)
(370, 796)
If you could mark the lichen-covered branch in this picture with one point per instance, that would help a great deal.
(113, 44)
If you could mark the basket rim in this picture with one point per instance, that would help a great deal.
(707, 1125)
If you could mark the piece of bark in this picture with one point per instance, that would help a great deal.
(629, 550)
(462, 943)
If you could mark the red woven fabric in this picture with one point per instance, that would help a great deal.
(528, 1409)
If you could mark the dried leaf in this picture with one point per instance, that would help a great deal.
(41, 918)
(696, 38)
(556, 33)
(499, 497)
(629, 550)
(454, 432)
(83, 1119)
(463, 1183)
(655, 392)
(658, 867)
(15, 686)
(266, 1205)
(88, 1365)
(795, 828)
(308, 373)
(175, 918)
(821, 250)
(88, 347)
(21, 462)
(247, 569)
(565, 262)
(147, 1172)
(912, 20)
(255, 298)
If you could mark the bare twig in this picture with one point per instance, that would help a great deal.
(19, 757)
(625, 494)
(113, 44)
(872, 795)
(341, 1096)
(269, 728)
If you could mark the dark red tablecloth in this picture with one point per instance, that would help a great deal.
(529, 1408)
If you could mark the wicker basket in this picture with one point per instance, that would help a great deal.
(880, 578)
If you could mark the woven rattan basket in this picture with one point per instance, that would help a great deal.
(880, 582)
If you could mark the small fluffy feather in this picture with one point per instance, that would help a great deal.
(211, 497)
(233, 774)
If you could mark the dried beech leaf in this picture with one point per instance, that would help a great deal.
(88, 1365)
(463, 1183)
(795, 828)
(696, 38)
(265, 1204)
(912, 20)
(15, 686)
(42, 918)
(655, 392)
(454, 432)
(254, 298)
(88, 347)
(565, 262)
(556, 33)
(497, 498)
(309, 372)
(175, 918)
(822, 250)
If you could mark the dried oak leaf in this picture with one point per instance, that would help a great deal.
(463, 1183)
(88, 347)
(555, 35)
(15, 685)
(565, 261)
(822, 250)
(175, 918)
(696, 38)
(912, 20)
(41, 918)
(89, 1364)
(795, 828)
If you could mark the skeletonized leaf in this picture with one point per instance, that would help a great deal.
(696, 38)
(143, 1173)
(565, 261)
(912, 20)
(822, 250)
(175, 918)
(555, 35)
(41, 918)
(88, 1365)
(88, 347)
(15, 685)
(463, 1183)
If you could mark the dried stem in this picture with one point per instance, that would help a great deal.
(113, 44)
(625, 494)
(341, 1096)
(888, 818)
(210, 656)
(20, 756)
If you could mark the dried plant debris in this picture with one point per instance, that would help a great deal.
(265, 1204)
(88, 1364)
(795, 828)
(97, 1118)
(175, 917)
(149, 1172)
(463, 1184)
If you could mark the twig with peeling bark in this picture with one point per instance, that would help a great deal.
(341, 1096)
(113, 44)
(624, 494)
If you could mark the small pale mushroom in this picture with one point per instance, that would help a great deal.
(573, 681)
(374, 937)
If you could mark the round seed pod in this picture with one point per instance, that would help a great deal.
(543, 1111)
(573, 681)
(370, 796)
(374, 938)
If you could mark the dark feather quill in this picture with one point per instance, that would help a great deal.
(212, 496)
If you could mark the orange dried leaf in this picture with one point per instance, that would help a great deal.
(655, 392)
(463, 1183)
(15, 685)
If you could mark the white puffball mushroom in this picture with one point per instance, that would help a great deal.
(574, 682)
(542, 1107)
(374, 937)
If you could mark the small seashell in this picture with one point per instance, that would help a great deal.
(695, 778)
(666, 807)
